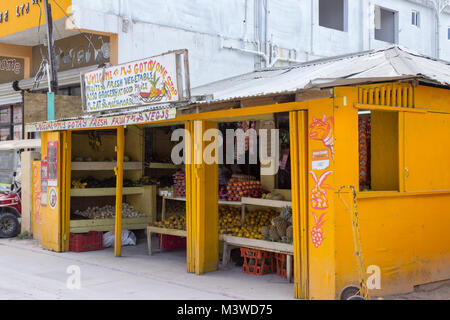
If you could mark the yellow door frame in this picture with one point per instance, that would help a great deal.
(119, 191)
(298, 122)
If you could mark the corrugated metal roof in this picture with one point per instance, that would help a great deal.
(394, 63)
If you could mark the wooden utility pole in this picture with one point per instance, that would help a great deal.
(51, 49)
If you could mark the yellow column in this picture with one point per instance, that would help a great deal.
(321, 216)
(190, 200)
(202, 203)
(299, 156)
(119, 191)
(66, 188)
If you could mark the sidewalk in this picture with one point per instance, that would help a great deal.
(30, 272)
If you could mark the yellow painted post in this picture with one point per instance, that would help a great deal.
(207, 210)
(402, 170)
(298, 122)
(66, 184)
(119, 191)
(321, 215)
(190, 200)
(388, 94)
(201, 203)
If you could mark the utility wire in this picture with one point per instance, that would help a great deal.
(73, 22)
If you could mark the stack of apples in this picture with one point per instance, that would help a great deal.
(179, 184)
(237, 189)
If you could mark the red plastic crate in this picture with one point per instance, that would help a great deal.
(172, 242)
(257, 262)
(82, 242)
(281, 264)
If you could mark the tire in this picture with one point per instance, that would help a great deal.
(356, 298)
(348, 292)
(9, 225)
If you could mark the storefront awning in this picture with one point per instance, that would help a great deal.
(20, 144)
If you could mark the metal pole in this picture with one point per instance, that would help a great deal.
(51, 48)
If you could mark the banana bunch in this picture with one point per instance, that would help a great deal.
(95, 141)
(77, 184)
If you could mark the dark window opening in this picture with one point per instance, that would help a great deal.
(333, 14)
(386, 25)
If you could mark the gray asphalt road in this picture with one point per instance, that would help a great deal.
(29, 272)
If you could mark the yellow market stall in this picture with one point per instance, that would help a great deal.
(383, 135)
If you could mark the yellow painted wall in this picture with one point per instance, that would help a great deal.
(31, 19)
(432, 98)
(51, 228)
(405, 234)
(427, 152)
(407, 237)
(384, 151)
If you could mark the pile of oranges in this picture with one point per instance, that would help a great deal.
(230, 222)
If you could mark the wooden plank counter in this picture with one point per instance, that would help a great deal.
(162, 231)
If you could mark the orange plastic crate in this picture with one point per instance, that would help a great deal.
(257, 262)
(281, 264)
(82, 242)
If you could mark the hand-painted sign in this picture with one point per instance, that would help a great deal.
(37, 191)
(116, 121)
(44, 177)
(320, 159)
(52, 198)
(52, 151)
(322, 130)
(154, 80)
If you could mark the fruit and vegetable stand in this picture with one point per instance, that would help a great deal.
(93, 186)
(403, 200)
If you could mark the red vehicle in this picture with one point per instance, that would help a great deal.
(10, 213)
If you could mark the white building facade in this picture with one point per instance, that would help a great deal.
(230, 37)
(226, 38)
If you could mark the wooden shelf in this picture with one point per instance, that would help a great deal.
(104, 192)
(266, 203)
(231, 203)
(171, 232)
(160, 165)
(163, 231)
(82, 226)
(258, 244)
(104, 166)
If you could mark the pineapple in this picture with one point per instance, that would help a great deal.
(274, 234)
(290, 234)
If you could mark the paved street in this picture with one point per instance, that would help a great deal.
(29, 272)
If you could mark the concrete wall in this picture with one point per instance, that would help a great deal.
(35, 105)
(27, 158)
(286, 28)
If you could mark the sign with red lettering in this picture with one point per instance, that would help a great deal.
(158, 80)
(121, 120)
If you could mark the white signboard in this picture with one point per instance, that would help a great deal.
(104, 122)
(158, 80)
